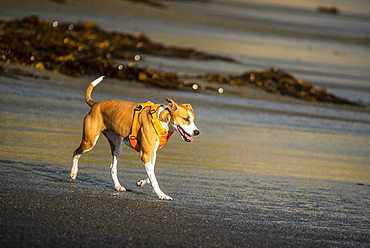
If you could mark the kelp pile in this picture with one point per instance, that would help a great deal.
(276, 80)
(327, 9)
(78, 48)
(86, 49)
(151, 3)
(159, 4)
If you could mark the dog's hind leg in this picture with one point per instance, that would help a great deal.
(89, 138)
(78, 153)
(115, 142)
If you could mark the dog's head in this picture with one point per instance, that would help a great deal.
(182, 119)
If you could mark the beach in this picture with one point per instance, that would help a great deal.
(266, 171)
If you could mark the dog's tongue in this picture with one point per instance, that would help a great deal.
(185, 135)
(188, 138)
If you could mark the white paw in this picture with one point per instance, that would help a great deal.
(120, 188)
(73, 175)
(165, 197)
(142, 182)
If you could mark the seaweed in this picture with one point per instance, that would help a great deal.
(327, 9)
(85, 49)
(158, 4)
(278, 81)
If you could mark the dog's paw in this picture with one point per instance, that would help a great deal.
(165, 197)
(73, 175)
(142, 182)
(120, 188)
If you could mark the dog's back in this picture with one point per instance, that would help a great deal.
(108, 110)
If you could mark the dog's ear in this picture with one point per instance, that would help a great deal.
(172, 106)
(188, 107)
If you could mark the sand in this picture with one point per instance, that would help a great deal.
(266, 171)
(220, 198)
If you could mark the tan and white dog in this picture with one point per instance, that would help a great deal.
(115, 118)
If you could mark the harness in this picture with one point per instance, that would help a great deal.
(163, 135)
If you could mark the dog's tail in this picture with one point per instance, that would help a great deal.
(90, 88)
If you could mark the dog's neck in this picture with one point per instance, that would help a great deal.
(165, 118)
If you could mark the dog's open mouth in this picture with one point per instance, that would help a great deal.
(184, 135)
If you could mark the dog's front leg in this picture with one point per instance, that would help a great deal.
(149, 168)
(74, 168)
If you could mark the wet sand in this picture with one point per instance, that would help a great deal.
(266, 171)
(269, 196)
(76, 217)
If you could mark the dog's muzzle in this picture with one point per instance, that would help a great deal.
(186, 136)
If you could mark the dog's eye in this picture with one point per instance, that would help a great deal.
(186, 119)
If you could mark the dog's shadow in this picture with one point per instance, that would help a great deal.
(53, 176)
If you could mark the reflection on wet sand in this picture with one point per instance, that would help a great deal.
(246, 172)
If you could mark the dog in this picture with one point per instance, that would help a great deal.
(145, 127)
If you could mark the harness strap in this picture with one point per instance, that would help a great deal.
(163, 135)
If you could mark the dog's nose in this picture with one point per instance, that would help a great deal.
(196, 132)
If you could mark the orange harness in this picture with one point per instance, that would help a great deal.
(163, 135)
